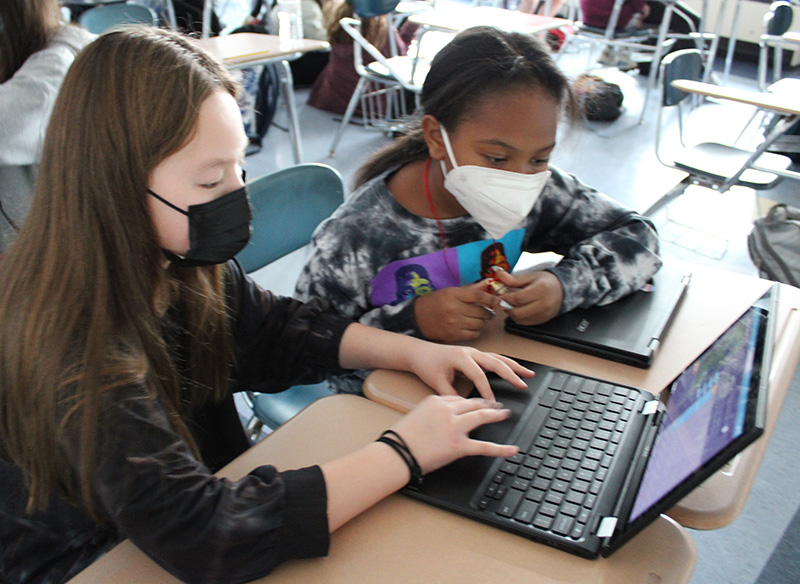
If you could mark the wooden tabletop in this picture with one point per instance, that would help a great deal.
(247, 48)
(404, 540)
(777, 102)
(714, 300)
(463, 17)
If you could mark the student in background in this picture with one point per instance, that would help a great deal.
(125, 326)
(596, 13)
(458, 199)
(307, 68)
(335, 85)
(538, 7)
(36, 49)
(636, 14)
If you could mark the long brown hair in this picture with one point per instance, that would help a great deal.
(27, 28)
(375, 29)
(83, 289)
(476, 65)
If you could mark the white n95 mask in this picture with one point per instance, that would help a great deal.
(499, 200)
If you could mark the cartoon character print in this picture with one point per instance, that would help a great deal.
(493, 255)
(412, 280)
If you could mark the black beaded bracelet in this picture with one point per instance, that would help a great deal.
(402, 449)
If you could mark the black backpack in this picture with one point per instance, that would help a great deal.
(774, 245)
(600, 101)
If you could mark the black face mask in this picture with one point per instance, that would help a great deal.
(218, 230)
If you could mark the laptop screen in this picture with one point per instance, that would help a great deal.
(709, 406)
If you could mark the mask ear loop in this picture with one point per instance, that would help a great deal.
(448, 147)
(168, 204)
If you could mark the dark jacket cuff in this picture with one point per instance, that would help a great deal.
(324, 344)
(304, 533)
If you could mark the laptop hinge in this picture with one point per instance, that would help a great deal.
(606, 527)
(653, 344)
(651, 407)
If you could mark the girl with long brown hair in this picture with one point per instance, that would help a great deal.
(125, 326)
(36, 49)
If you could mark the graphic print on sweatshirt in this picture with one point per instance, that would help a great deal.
(404, 279)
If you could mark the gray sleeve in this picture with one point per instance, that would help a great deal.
(341, 266)
(609, 251)
(26, 102)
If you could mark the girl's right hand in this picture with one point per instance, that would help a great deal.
(454, 314)
(437, 430)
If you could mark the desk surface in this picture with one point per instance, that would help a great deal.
(713, 301)
(403, 540)
(777, 102)
(463, 17)
(249, 48)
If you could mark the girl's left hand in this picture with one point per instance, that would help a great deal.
(536, 297)
(437, 366)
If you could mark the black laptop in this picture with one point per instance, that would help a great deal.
(598, 462)
(628, 331)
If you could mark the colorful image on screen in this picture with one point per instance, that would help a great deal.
(705, 412)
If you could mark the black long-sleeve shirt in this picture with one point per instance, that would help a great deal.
(151, 489)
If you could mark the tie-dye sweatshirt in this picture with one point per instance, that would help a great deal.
(372, 257)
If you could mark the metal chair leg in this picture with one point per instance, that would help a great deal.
(287, 82)
(351, 107)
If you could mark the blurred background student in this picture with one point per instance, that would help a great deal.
(307, 68)
(335, 85)
(36, 49)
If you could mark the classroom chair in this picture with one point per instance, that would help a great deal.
(708, 164)
(382, 82)
(105, 17)
(775, 26)
(287, 207)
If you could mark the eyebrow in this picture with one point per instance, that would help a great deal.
(502, 144)
(215, 162)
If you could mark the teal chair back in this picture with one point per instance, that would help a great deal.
(105, 17)
(287, 207)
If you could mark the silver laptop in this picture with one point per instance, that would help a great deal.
(629, 330)
(598, 461)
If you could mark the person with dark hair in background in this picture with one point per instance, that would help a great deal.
(462, 195)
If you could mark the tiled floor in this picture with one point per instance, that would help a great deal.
(703, 227)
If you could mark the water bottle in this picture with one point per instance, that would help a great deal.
(290, 20)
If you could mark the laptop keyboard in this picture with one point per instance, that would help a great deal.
(554, 481)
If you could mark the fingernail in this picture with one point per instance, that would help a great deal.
(497, 269)
(506, 305)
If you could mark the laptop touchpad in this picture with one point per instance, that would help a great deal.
(500, 431)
